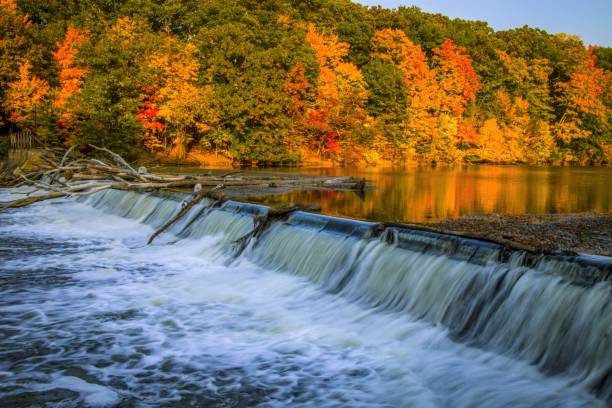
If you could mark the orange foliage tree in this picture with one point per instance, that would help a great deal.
(341, 93)
(458, 85)
(70, 75)
(16, 49)
(456, 77)
(581, 97)
(25, 95)
(9, 7)
(296, 86)
(394, 46)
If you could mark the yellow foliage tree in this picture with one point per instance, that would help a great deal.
(25, 95)
(541, 143)
(443, 145)
(512, 125)
(529, 79)
(492, 147)
(185, 107)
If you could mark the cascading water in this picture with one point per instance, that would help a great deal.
(313, 311)
(556, 324)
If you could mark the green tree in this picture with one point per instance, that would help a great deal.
(105, 108)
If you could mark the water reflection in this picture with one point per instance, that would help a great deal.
(422, 194)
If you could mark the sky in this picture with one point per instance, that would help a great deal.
(589, 19)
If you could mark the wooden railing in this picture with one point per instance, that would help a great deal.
(26, 139)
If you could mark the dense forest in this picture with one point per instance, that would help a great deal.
(287, 81)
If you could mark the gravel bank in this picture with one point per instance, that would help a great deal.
(578, 233)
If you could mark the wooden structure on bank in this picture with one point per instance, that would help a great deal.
(22, 147)
(24, 140)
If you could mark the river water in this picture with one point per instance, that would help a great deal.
(423, 193)
(91, 316)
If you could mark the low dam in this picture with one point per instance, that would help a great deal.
(308, 310)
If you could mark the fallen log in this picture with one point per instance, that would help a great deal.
(61, 163)
(23, 202)
(120, 160)
(178, 216)
(261, 223)
(198, 197)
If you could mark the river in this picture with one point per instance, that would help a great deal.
(428, 194)
(91, 316)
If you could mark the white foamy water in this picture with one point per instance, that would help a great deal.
(91, 316)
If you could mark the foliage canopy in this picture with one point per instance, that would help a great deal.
(275, 81)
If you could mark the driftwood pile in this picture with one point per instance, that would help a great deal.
(67, 173)
(73, 175)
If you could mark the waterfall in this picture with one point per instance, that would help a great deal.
(554, 312)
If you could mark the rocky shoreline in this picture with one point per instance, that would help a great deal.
(568, 233)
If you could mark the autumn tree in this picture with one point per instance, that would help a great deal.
(148, 116)
(580, 98)
(70, 77)
(505, 137)
(25, 95)
(296, 86)
(492, 146)
(529, 79)
(585, 116)
(394, 47)
(17, 53)
(458, 86)
(436, 97)
(185, 108)
(341, 93)
(456, 77)
(541, 144)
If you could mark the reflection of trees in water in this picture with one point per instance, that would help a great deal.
(422, 194)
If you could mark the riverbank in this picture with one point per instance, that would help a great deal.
(577, 233)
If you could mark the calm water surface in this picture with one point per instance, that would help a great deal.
(421, 194)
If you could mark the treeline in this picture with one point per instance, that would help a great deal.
(287, 81)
